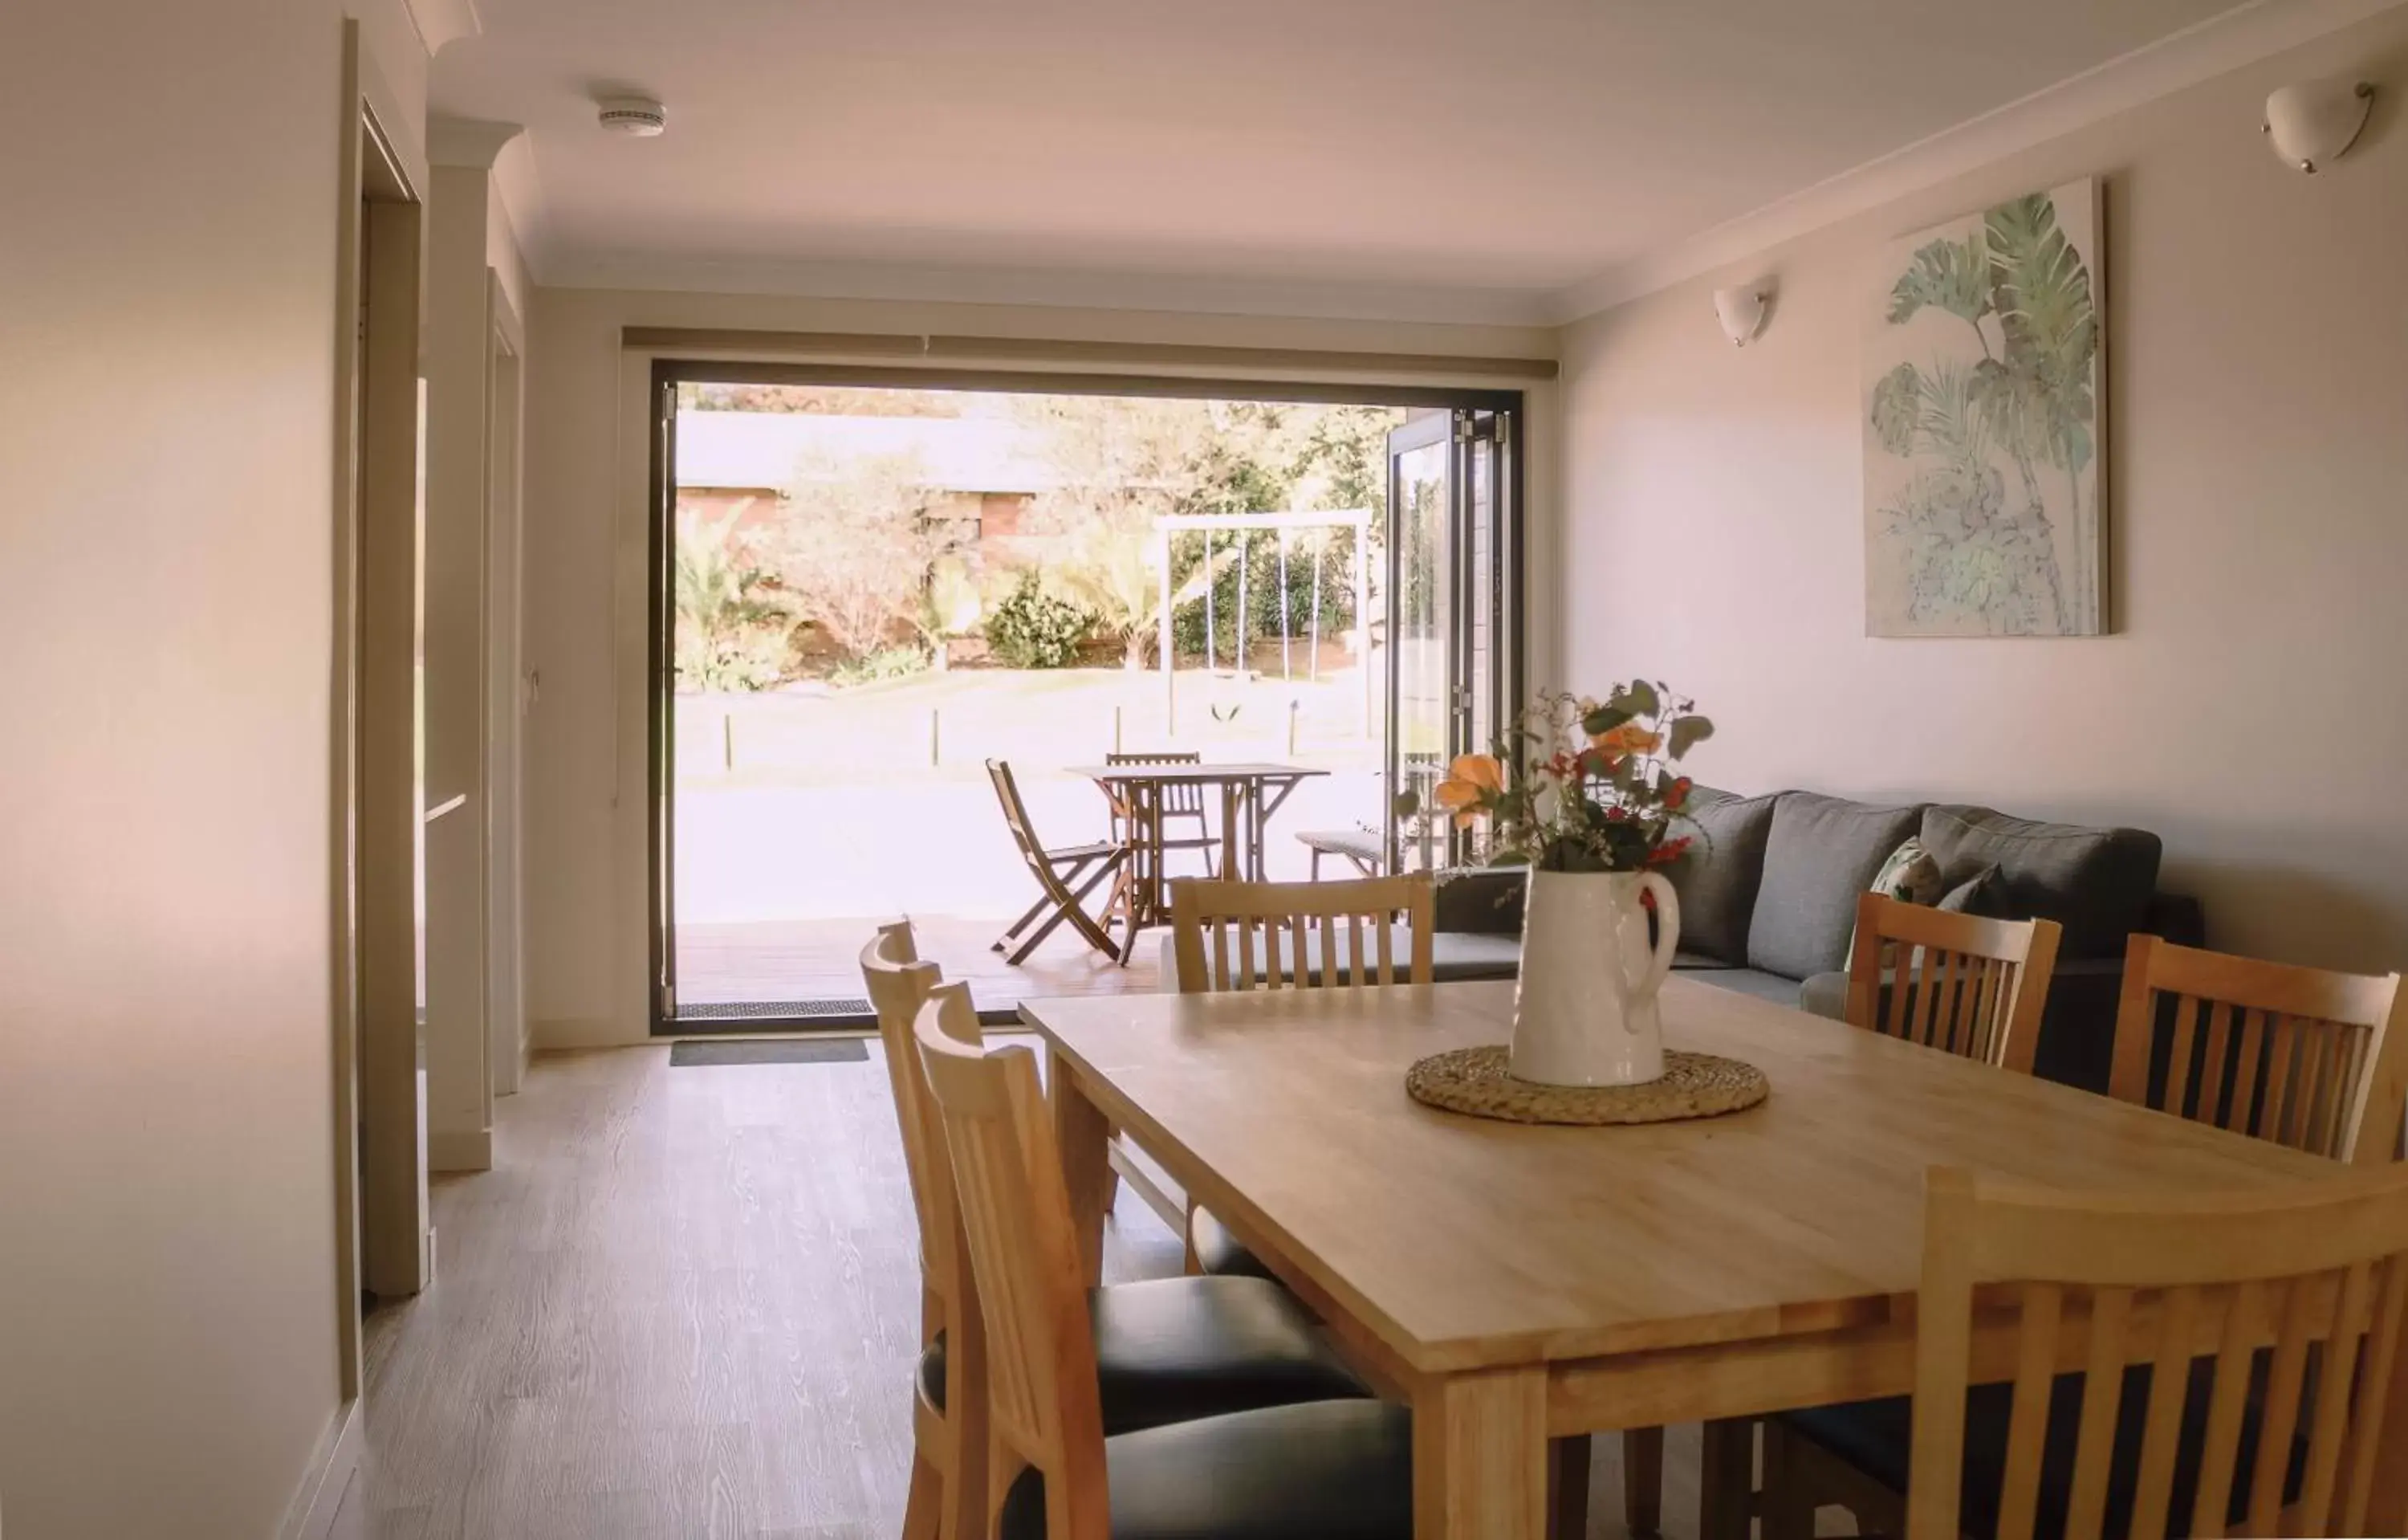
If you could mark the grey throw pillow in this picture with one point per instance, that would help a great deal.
(1975, 895)
(1822, 853)
(1716, 878)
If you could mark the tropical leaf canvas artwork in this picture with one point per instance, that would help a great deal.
(1985, 425)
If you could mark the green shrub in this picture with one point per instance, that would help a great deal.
(1033, 629)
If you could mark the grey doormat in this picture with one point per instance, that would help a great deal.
(835, 1050)
(774, 1009)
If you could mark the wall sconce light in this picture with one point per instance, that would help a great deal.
(1741, 310)
(2313, 123)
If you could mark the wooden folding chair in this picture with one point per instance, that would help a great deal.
(1065, 877)
(2311, 1059)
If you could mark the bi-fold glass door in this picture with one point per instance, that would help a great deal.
(1431, 631)
(1453, 629)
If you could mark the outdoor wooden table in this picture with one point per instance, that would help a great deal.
(1517, 1284)
(1249, 793)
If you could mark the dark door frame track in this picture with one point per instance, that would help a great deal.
(660, 695)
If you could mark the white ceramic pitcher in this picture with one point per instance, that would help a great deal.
(1584, 1010)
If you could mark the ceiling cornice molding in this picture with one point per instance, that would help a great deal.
(2218, 46)
(474, 142)
(1298, 299)
(441, 21)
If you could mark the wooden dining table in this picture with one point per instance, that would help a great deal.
(1519, 1283)
(1250, 795)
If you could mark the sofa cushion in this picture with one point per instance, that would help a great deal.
(1716, 879)
(2094, 882)
(1820, 853)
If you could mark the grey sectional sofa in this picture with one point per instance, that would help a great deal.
(1769, 904)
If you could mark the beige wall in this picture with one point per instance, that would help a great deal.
(168, 1347)
(586, 910)
(2252, 708)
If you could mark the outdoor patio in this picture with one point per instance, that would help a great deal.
(805, 818)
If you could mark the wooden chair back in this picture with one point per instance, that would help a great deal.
(1184, 800)
(898, 984)
(1015, 818)
(1230, 935)
(2091, 1280)
(1043, 1402)
(1968, 986)
(2300, 1056)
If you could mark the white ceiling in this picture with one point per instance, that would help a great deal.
(1500, 146)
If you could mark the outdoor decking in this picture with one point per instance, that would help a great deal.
(793, 960)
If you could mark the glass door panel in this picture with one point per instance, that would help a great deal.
(1422, 731)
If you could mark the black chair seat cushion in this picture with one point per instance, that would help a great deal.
(1172, 1349)
(1877, 1438)
(1219, 1253)
(1331, 1470)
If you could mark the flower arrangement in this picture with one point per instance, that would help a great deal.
(1580, 785)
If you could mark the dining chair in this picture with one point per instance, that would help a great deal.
(1230, 935)
(2311, 1059)
(1057, 1469)
(1168, 1350)
(1065, 877)
(1959, 983)
(1181, 803)
(2274, 1313)
(1298, 935)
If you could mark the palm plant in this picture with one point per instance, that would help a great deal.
(730, 623)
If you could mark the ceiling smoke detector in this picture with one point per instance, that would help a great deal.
(640, 117)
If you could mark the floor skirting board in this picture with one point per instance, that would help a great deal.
(311, 1513)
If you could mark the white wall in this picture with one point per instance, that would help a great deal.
(169, 1339)
(588, 953)
(2252, 708)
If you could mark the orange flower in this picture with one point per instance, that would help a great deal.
(1470, 781)
(1630, 738)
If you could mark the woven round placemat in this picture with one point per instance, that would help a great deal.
(1476, 1081)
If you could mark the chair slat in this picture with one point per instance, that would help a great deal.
(2043, 1307)
(2102, 1394)
(2327, 1430)
(2178, 1067)
(2251, 1048)
(2220, 1447)
(2211, 1067)
(2366, 1444)
(2280, 1417)
(2169, 1386)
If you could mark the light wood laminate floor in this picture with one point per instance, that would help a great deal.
(684, 1306)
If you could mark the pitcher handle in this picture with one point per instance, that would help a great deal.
(1667, 930)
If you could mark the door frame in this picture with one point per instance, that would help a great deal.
(668, 372)
(379, 1183)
